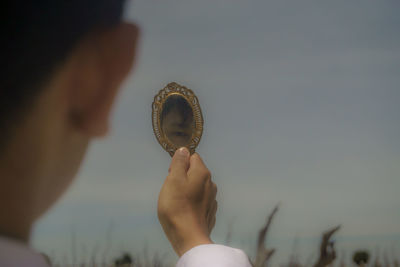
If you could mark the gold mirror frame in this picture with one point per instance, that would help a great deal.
(159, 100)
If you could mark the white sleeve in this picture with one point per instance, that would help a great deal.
(214, 256)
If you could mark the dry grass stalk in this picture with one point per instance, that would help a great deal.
(264, 254)
(327, 250)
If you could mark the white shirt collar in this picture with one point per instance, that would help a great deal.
(16, 254)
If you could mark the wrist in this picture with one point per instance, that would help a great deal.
(193, 241)
(190, 234)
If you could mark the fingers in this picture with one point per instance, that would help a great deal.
(213, 220)
(198, 171)
(180, 163)
(213, 206)
(213, 191)
(212, 196)
(211, 215)
(199, 177)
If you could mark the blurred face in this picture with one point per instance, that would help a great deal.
(43, 155)
(83, 98)
(49, 144)
(176, 128)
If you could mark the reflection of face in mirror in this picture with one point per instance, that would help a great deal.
(177, 120)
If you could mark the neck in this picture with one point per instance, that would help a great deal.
(18, 232)
(16, 208)
(17, 201)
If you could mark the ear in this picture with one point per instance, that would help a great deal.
(103, 61)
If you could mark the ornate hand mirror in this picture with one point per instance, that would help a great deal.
(177, 118)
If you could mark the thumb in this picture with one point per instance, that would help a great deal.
(180, 162)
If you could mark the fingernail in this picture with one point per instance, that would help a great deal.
(183, 151)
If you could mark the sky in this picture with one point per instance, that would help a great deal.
(301, 107)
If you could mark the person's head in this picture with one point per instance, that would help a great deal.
(177, 120)
(62, 64)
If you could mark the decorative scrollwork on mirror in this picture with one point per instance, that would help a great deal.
(177, 118)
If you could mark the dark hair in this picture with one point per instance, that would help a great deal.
(37, 36)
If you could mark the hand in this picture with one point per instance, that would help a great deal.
(186, 204)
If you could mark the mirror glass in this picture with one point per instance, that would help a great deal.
(177, 120)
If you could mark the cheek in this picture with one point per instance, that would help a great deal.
(71, 161)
